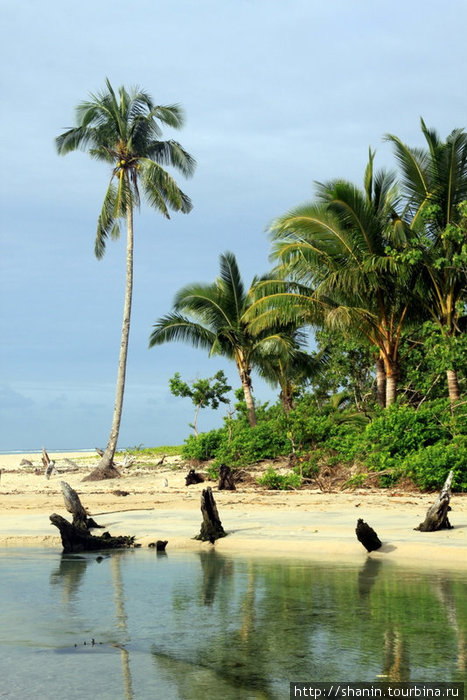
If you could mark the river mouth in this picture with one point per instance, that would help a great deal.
(138, 624)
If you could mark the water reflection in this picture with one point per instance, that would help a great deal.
(69, 574)
(396, 666)
(206, 625)
(269, 623)
(367, 576)
(214, 568)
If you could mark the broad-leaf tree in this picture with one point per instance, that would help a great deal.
(204, 393)
(123, 129)
(434, 182)
(213, 317)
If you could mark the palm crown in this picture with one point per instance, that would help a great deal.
(214, 317)
(338, 248)
(434, 182)
(124, 131)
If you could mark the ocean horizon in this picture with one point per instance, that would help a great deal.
(50, 451)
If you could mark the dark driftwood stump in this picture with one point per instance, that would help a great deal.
(437, 515)
(211, 527)
(193, 478)
(159, 546)
(76, 536)
(226, 478)
(367, 536)
(75, 539)
(74, 506)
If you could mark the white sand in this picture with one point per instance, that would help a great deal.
(294, 524)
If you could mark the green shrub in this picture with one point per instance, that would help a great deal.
(430, 466)
(248, 445)
(205, 445)
(274, 481)
(308, 427)
(394, 433)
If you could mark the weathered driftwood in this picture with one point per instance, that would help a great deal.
(367, 536)
(75, 539)
(226, 478)
(193, 478)
(211, 527)
(75, 507)
(72, 465)
(76, 536)
(48, 463)
(437, 515)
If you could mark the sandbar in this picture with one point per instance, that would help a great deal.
(154, 503)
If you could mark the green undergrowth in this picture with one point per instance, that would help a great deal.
(420, 444)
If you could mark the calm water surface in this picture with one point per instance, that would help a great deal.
(191, 625)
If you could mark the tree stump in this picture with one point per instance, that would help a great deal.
(193, 478)
(48, 463)
(74, 506)
(159, 546)
(367, 536)
(75, 539)
(76, 536)
(211, 527)
(226, 478)
(437, 515)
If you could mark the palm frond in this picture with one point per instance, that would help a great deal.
(175, 327)
(204, 303)
(231, 285)
(172, 153)
(172, 115)
(107, 223)
(161, 190)
(77, 138)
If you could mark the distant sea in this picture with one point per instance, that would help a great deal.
(50, 451)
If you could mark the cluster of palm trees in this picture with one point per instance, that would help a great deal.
(371, 262)
(217, 318)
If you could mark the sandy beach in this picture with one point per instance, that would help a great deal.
(154, 503)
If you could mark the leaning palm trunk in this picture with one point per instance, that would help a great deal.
(105, 468)
(122, 130)
(453, 387)
(380, 382)
(245, 378)
(392, 376)
(287, 398)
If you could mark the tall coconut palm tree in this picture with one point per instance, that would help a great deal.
(124, 131)
(434, 182)
(213, 317)
(334, 252)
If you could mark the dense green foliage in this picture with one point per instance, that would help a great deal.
(379, 273)
(402, 442)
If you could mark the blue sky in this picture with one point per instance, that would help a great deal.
(277, 95)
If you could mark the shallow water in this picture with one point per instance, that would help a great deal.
(202, 625)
